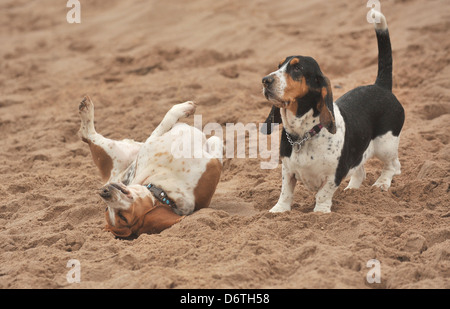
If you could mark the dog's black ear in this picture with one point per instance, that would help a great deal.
(274, 117)
(325, 105)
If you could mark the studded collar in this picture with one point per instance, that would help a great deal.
(161, 195)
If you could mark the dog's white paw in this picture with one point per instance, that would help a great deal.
(383, 185)
(190, 108)
(280, 208)
(86, 111)
(350, 187)
(323, 207)
(184, 109)
(355, 182)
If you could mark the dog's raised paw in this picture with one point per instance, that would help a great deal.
(86, 105)
(190, 108)
(184, 109)
(86, 111)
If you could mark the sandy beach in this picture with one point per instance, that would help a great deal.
(136, 59)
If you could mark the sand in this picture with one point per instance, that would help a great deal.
(138, 58)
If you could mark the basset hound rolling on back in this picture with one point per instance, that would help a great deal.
(148, 189)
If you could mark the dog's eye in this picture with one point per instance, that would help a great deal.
(122, 217)
(297, 68)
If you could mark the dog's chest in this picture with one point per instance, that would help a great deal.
(318, 158)
(312, 164)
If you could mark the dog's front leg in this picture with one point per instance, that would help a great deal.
(171, 118)
(287, 190)
(325, 195)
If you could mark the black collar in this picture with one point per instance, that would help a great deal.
(161, 196)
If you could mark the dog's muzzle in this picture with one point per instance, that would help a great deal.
(106, 192)
(270, 93)
(268, 82)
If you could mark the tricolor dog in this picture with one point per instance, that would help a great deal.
(323, 141)
(148, 189)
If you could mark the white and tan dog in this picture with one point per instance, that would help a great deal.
(148, 189)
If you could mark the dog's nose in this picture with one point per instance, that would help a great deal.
(268, 80)
(105, 192)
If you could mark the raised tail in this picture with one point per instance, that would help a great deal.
(384, 77)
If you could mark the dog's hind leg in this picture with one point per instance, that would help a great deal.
(357, 178)
(386, 149)
(111, 157)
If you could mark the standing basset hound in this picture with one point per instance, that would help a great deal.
(323, 142)
(148, 189)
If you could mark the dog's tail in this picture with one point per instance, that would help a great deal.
(384, 77)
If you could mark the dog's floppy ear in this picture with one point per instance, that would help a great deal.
(123, 232)
(274, 117)
(158, 219)
(325, 105)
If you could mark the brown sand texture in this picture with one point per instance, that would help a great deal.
(138, 58)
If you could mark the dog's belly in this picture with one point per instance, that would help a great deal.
(177, 173)
(175, 152)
